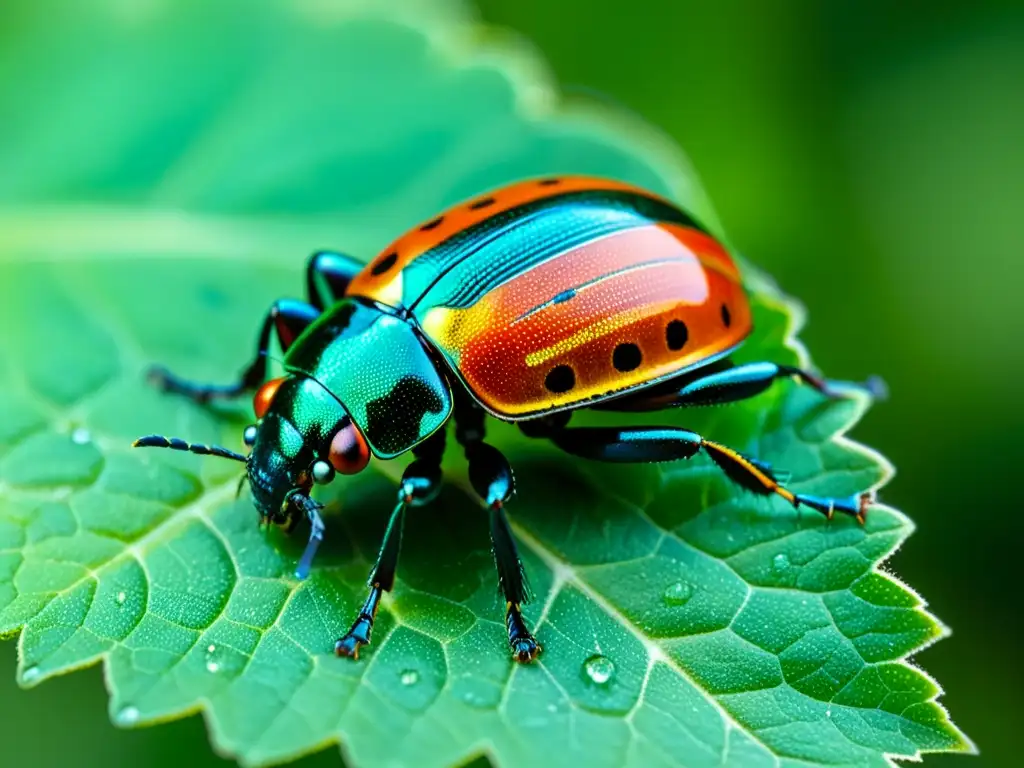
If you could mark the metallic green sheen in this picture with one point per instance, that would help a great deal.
(377, 366)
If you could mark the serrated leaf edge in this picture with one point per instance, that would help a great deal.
(461, 41)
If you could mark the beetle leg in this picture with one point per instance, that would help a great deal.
(491, 477)
(328, 274)
(420, 485)
(287, 317)
(650, 444)
(732, 384)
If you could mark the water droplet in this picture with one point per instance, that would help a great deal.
(477, 692)
(599, 669)
(678, 593)
(128, 716)
(780, 563)
(410, 677)
(211, 648)
(30, 674)
(81, 436)
(121, 597)
(552, 708)
(212, 666)
(828, 712)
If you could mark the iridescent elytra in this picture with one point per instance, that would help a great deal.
(524, 304)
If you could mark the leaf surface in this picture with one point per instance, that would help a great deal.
(167, 167)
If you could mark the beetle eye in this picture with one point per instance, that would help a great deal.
(323, 472)
(349, 452)
(249, 435)
(265, 396)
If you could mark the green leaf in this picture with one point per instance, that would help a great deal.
(166, 168)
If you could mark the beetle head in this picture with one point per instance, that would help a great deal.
(303, 437)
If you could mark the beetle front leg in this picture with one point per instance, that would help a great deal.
(328, 274)
(420, 485)
(287, 317)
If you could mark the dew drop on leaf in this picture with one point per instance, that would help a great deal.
(677, 594)
(121, 597)
(599, 669)
(410, 677)
(212, 665)
(81, 436)
(127, 716)
(780, 563)
(30, 674)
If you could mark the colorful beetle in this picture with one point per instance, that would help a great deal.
(527, 304)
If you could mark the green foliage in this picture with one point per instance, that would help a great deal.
(167, 168)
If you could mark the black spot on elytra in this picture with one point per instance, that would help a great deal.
(481, 204)
(432, 224)
(549, 182)
(393, 421)
(676, 335)
(627, 357)
(726, 316)
(384, 264)
(560, 379)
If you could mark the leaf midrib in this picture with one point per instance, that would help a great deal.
(96, 232)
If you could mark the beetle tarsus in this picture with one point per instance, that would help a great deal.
(349, 646)
(359, 634)
(524, 645)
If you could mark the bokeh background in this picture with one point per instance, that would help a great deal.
(870, 155)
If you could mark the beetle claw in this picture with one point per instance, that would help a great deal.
(348, 646)
(525, 650)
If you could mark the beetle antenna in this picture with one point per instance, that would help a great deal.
(177, 444)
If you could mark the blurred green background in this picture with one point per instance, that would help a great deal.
(871, 157)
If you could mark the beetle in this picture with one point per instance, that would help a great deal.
(526, 304)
